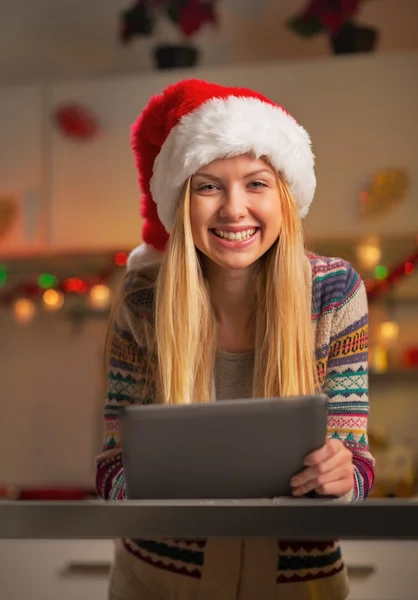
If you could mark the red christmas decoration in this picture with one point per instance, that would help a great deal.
(189, 15)
(324, 15)
(193, 15)
(121, 258)
(411, 357)
(76, 122)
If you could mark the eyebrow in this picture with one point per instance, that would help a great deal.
(252, 174)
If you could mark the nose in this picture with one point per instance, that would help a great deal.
(234, 206)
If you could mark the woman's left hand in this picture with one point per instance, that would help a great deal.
(329, 471)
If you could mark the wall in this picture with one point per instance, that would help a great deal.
(361, 113)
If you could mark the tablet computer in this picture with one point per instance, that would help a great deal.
(231, 449)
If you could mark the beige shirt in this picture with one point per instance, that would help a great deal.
(234, 375)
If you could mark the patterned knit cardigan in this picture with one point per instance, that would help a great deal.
(301, 569)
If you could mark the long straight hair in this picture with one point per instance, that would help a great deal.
(185, 330)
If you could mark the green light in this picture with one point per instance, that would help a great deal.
(46, 281)
(380, 272)
(3, 275)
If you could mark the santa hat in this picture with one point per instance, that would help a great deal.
(195, 122)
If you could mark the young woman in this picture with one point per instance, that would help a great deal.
(222, 301)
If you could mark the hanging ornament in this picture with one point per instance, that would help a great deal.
(135, 21)
(8, 214)
(76, 122)
(24, 310)
(386, 191)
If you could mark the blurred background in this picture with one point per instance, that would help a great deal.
(73, 77)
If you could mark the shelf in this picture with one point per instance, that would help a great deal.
(407, 375)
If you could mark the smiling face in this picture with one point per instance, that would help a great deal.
(235, 211)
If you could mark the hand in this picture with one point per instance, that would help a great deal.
(329, 471)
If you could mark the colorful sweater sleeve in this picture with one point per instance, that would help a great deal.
(346, 379)
(126, 384)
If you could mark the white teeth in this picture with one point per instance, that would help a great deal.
(232, 237)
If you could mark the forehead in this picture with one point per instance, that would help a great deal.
(238, 164)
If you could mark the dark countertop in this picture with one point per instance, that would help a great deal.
(281, 517)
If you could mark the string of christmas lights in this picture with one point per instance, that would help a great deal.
(384, 280)
(52, 291)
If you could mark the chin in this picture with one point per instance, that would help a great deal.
(234, 263)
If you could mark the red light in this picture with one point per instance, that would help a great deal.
(74, 284)
(409, 268)
(120, 259)
(69, 285)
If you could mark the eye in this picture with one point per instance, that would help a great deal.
(257, 184)
(207, 187)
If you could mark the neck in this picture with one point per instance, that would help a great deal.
(232, 294)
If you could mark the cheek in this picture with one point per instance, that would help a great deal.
(270, 215)
(202, 211)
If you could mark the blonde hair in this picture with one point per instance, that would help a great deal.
(185, 332)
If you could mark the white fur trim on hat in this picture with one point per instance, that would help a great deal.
(223, 128)
(144, 254)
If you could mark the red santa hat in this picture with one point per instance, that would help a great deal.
(195, 122)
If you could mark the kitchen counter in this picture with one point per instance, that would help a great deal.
(283, 518)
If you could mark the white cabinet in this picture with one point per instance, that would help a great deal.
(22, 191)
(56, 409)
(68, 569)
(54, 569)
(393, 564)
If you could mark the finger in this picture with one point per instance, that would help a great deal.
(304, 489)
(336, 488)
(342, 472)
(337, 460)
(330, 448)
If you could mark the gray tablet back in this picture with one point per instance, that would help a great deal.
(230, 449)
